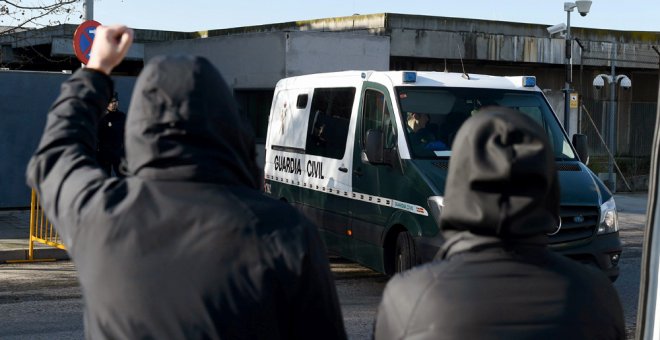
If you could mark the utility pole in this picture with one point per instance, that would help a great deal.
(89, 9)
(583, 7)
(613, 108)
(568, 79)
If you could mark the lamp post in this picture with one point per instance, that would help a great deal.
(625, 83)
(583, 7)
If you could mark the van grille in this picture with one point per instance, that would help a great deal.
(577, 223)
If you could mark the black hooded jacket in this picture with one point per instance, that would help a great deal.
(111, 136)
(495, 278)
(185, 246)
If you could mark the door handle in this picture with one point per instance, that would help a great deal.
(343, 169)
(357, 172)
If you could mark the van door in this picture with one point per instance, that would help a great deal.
(373, 185)
(328, 154)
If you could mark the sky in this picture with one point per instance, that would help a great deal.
(200, 15)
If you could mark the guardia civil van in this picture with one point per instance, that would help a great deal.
(343, 147)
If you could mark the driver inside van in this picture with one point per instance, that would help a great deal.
(422, 133)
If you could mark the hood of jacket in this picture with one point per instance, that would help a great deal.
(502, 178)
(183, 124)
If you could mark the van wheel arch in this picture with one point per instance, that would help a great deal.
(390, 247)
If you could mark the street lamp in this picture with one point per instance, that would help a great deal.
(625, 83)
(583, 7)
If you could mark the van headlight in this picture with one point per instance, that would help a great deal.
(608, 218)
(435, 206)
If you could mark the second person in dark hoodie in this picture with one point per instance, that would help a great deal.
(495, 277)
(185, 246)
(110, 149)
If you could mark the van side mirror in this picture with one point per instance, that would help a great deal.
(580, 145)
(374, 147)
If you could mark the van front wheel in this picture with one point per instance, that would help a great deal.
(404, 252)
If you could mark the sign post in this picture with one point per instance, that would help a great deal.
(83, 39)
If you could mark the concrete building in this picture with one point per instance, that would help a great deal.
(252, 59)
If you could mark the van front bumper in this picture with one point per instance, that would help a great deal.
(603, 251)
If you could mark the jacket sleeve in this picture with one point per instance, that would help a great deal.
(317, 312)
(63, 169)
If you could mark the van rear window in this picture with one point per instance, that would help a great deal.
(329, 116)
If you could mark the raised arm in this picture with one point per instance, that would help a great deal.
(63, 169)
(110, 46)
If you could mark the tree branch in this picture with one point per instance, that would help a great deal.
(60, 3)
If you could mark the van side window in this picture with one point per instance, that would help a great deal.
(376, 115)
(301, 103)
(329, 116)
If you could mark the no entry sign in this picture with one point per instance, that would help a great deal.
(83, 38)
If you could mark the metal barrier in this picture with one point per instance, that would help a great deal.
(41, 231)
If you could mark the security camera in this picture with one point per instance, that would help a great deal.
(599, 83)
(626, 84)
(558, 28)
(583, 6)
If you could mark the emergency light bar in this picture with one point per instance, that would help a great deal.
(529, 81)
(409, 77)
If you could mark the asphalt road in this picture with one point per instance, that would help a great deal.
(632, 219)
(40, 301)
(43, 300)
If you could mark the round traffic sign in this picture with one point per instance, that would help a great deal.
(83, 38)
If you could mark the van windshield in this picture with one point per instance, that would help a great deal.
(433, 115)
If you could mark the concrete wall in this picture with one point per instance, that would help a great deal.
(473, 39)
(246, 61)
(314, 52)
(260, 60)
(25, 98)
(440, 37)
(442, 44)
(516, 48)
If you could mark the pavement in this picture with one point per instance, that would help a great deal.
(15, 239)
(15, 230)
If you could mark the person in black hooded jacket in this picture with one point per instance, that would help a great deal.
(185, 246)
(495, 278)
(110, 136)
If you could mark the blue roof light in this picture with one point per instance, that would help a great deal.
(529, 81)
(409, 77)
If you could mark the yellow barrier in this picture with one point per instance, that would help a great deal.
(41, 230)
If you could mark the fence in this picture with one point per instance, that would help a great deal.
(41, 231)
(634, 126)
(633, 135)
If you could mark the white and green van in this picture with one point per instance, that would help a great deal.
(340, 147)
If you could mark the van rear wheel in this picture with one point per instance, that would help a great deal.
(404, 252)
